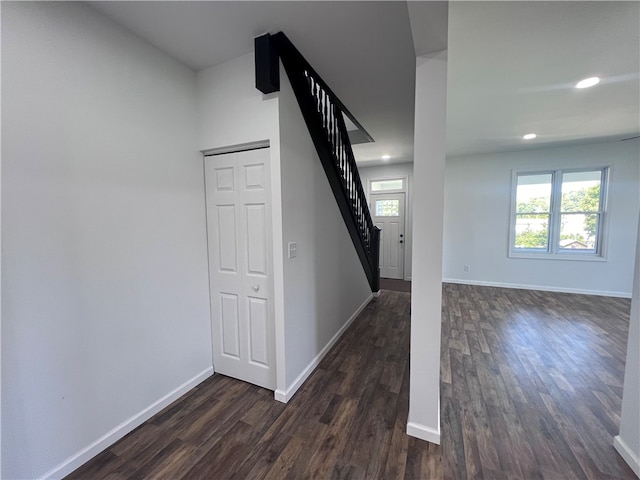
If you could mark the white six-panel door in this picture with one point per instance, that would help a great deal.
(387, 210)
(240, 265)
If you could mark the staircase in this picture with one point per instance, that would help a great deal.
(324, 115)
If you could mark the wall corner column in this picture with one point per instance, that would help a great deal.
(627, 443)
(428, 200)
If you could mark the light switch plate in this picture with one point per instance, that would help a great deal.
(293, 249)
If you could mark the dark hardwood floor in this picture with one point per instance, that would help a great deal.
(531, 388)
(395, 285)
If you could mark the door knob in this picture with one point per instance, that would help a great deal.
(256, 288)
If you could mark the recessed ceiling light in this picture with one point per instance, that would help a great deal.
(529, 136)
(588, 82)
(386, 157)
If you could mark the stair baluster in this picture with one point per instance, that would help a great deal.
(324, 114)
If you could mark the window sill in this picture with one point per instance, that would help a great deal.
(559, 256)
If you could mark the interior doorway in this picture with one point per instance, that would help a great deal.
(388, 215)
(241, 265)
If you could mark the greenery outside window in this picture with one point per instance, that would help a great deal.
(559, 212)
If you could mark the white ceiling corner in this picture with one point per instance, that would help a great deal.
(511, 65)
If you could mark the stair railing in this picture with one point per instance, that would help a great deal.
(324, 114)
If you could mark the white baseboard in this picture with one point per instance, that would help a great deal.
(109, 438)
(423, 433)
(376, 294)
(285, 395)
(627, 454)
(601, 293)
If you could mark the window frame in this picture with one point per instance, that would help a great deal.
(388, 190)
(384, 178)
(553, 250)
(375, 207)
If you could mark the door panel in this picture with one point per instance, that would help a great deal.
(254, 176)
(258, 319)
(256, 239)
(388, 216)
(230, 325)
(239, 232)
(224, 179)
(395, 255)
(227, 254)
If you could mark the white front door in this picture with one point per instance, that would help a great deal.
(240, 265)
(387, 210)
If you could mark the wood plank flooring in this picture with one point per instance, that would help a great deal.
(531, 389)
(395, 285)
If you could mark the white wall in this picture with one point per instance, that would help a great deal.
(396, 170)
(231, 111)
(428, 205)
(628, 442)
(318, 292)
(104, 264)
(476, 227)
(1, 355)
(325, 285)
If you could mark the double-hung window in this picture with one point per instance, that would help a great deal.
(558, 212)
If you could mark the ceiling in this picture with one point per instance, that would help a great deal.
(512, 65)
(363, 50)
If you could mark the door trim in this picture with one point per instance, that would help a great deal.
(383, 236)
(241, 147)
(408, 226)
(270, 250)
